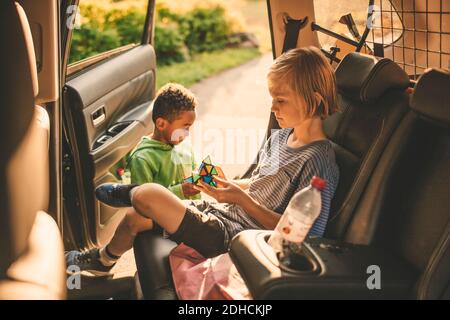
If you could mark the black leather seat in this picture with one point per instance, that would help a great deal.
(31, 250)
(373, 101)
(406, 206)
(403, 217)
(151, 252)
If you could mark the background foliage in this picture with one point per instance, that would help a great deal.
(106, 25)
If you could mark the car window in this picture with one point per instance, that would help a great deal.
(100, 26)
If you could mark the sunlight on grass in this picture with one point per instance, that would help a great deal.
(203, 65)
(246, 15)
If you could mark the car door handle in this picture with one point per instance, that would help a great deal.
(98, 116)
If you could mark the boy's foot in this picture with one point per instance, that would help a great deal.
(114, 194)
(88, 261)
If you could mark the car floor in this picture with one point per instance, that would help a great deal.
(121, 285)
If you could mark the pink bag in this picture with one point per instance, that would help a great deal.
(198, 278)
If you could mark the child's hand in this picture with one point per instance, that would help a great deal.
(226, 191)
(188, 189)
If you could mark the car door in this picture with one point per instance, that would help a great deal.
(107, 102)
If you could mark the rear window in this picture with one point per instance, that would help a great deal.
(415, 34)
(383, 14)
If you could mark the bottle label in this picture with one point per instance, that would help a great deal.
(293, 230)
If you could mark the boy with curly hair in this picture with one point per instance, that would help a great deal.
(161, 158)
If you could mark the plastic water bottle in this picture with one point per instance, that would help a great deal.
(299, 216)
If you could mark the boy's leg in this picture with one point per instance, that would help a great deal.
(126, 232)
(100, 261)
(153, 201)
(184, 223)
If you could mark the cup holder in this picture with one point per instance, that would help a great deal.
(296, 260)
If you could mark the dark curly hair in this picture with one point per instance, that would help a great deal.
(171, 100)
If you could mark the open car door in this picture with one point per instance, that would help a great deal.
(106, 109)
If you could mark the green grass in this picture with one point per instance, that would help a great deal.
(203, 66)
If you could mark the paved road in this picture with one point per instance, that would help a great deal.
(232, 115)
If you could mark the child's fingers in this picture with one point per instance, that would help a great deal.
(190, 189)
(194, 190)
(206, 186)
(201, 186)
(198, 188)
(221, 181)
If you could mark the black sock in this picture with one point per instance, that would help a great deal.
(110, 254)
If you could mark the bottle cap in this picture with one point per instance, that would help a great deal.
(318, 183)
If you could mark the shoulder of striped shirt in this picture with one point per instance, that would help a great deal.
(315, 155)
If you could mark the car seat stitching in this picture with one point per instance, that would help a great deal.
(434, 260)
(358, 175)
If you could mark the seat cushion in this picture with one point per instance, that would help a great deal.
(151, 252)
(405, 207)
(40, 272)
(23, 157)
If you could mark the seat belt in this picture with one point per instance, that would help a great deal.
(293, 28)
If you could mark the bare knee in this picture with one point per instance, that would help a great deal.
(144, 196)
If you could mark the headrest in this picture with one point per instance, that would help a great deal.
(365, 78)
(431, 96)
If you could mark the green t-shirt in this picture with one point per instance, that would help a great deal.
(167, 165)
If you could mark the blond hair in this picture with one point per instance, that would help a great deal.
(307, 72)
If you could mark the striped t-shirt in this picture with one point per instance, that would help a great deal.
(281, 172)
